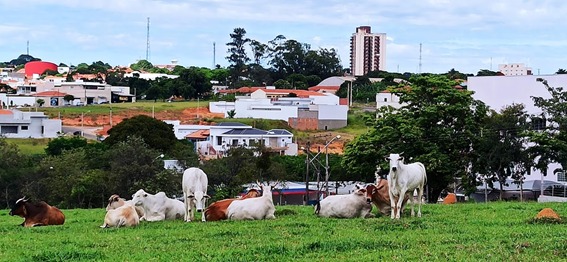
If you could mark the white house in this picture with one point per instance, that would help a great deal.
(500, 91)
(17, 124)
(149, 76)
(387, 98)
(214, 141)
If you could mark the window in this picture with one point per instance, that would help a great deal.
(385, 99)
(561, 177)
(234, 142)
(24, 128)
(219, 140)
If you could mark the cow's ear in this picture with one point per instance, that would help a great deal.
(191, 196)
(206, 196)
(401, 158)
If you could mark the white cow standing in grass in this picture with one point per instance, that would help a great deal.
(404, 179)
(195, 183)
(253, 208)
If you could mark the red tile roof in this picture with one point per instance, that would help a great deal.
(50, 93)
(317, 88)
(199, 134)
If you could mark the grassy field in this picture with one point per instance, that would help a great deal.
(462, 232)
(30, 146)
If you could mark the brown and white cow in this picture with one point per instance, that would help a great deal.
(115, 201)
(123, 216)
(219, 209)
(379, 195)
(38, 214)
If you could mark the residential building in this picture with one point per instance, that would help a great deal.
(387, 98)
(149, 76)
(517, 69)
(501, 91)
(17, 124)
(367, 51)
(214, 141)
(305, 110)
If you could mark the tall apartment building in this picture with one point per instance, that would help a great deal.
(367, 51)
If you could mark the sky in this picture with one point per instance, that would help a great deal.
(465, 35)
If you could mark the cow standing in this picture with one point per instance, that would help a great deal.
(195, 183)
(405, 179)
(345, 206)
(115, 201)
(158, 207)
(219, 209)
(253, 208)
(123, 216)
(379, 194)
(38, 214)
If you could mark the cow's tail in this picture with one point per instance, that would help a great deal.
(317, 207)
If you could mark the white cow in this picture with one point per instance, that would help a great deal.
(404, 179)
(253, 208)
(345, 206)
(195, 184)
(115, 201)
(158, 207)
(124, 215)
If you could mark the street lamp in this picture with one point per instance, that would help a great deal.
(327, 163)
(544, 82)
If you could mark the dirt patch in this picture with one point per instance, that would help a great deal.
(548, 213)
(187, 116)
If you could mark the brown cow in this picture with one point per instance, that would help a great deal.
(218, 210)
(39, 214)
(378, 194)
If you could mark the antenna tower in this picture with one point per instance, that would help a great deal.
(214, 55)
(28, 48)
(148, 41)
(419, 58)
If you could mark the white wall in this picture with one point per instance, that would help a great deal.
(221, 107)
(326, 99)
(332, 112)
(387, 99)
(18, 100)
(500, 91)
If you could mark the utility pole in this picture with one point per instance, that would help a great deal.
(148, 41)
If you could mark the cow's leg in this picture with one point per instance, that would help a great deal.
(412, 202)
(392, 205)
(186, 202)
(419, 199)
(399, 202)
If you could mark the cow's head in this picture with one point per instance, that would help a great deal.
(139, 197)
(395, 160)
(200, 199)
(266, 189)
(253, 192)
(114, 202)
(19, 208)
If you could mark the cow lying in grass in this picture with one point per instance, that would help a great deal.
(345, 206)
(219, 209)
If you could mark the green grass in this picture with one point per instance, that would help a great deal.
(30, 146)
(462, 232)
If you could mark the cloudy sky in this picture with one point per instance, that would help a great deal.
(465, 35)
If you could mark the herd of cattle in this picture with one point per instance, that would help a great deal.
(388, 195)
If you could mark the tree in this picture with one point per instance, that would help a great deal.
(501, 152)
(142, 65)
(69, 98)
(156, 133)
(282, 84)
(561, 71)
(231, 113)
(12, 167)
(259, 50)
(40, 102)
(436, 126)
(58, 145)
(237, 54)
(486, 72)
(551, 137)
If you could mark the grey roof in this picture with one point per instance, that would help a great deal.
(280, 132)
(230, 124)
(249, 131)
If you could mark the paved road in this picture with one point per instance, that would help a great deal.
(88, 132)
